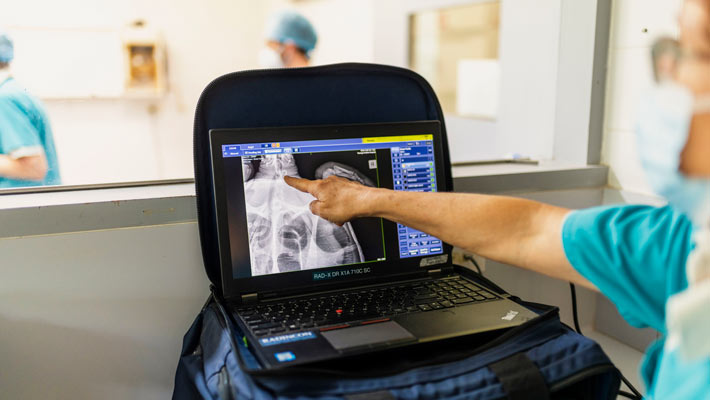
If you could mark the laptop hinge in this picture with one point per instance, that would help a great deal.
(439, 271)
(250, 298)
(434, 272)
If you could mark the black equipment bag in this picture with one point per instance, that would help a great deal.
(540, 359)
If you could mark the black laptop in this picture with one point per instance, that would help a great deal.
(305, 290)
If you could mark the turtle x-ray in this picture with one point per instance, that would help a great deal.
(284, 235)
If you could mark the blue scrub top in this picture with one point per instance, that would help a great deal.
(24, 123)
(636, 256)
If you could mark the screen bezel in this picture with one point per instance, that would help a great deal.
(290, 281)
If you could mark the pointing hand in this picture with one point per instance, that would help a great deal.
(338, 200)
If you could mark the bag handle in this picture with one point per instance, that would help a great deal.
(521, 378)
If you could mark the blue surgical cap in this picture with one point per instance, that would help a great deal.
(6, 48)
(290, 26)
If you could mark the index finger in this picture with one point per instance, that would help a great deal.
(304, 185)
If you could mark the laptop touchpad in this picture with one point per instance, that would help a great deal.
(385, 333)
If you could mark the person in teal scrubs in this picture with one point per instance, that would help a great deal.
(290, 41)
(636, 255)
(27, 153)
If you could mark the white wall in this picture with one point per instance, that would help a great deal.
(628, 76)
(529, 57)
(97, 315)
(110, 140)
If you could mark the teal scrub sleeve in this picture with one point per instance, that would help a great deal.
(16, 128)
(635, 255)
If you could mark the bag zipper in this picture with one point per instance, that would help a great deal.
(224, 390)
(223, 320)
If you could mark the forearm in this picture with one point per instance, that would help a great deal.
(510, 230)
(26, 168)
(514, 231)
(474, 222)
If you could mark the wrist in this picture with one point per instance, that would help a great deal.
(371, 202)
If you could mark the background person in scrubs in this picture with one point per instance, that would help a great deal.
(290, 39)
(634, 254)
(27, 154)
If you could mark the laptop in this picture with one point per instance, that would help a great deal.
(304, 290)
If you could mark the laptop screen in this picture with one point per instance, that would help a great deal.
(271, 230)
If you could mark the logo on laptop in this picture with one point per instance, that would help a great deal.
(285, 356)
(510, 315)
(281, 339)
(429, 261)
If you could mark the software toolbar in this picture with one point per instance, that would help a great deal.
(413, 170)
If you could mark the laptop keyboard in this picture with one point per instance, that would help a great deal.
(371, 305)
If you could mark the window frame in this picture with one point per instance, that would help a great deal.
(569, 133)
(91, 209)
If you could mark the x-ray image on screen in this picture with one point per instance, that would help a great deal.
(284, 235)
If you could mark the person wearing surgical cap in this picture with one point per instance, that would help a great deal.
(27, 153)
(290, 40)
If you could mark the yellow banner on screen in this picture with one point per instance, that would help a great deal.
(387, 139)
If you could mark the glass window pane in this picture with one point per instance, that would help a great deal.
(456, 49)
(114, 84)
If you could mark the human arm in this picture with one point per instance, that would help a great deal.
(505, 229)
(30, 168)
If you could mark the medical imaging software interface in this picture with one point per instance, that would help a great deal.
(284, 236)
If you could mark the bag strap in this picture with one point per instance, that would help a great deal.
(521, 378)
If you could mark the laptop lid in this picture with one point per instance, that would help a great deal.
(270, 242)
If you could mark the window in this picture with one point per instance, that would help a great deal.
(456, 49)
(120, 80)
(551, 59)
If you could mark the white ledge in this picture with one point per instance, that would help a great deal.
(56, 212)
